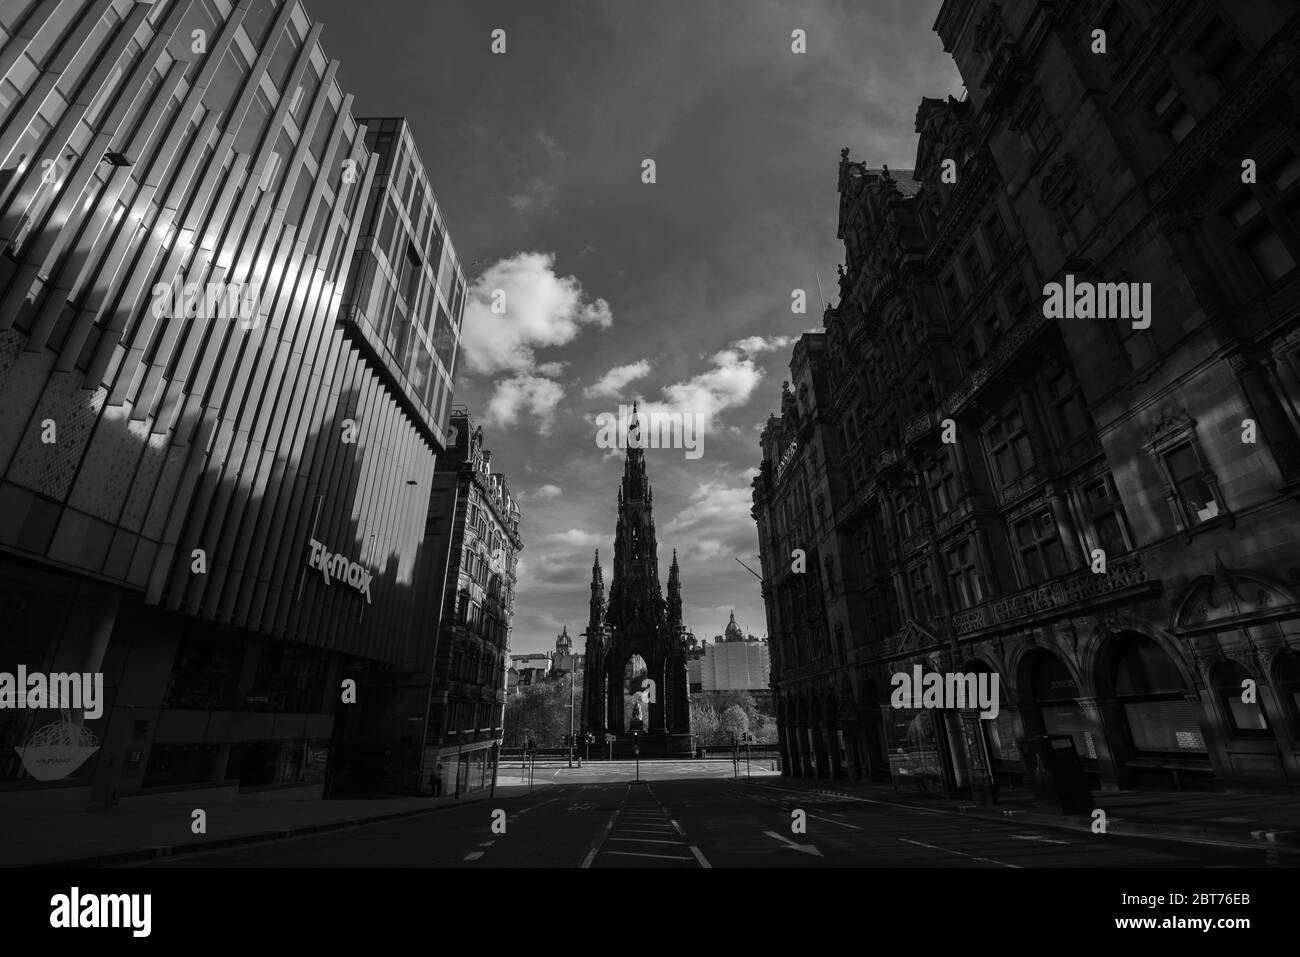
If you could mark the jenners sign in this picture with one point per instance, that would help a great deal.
(338, 567)
(787, 457)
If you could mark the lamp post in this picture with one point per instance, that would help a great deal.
(571, 676)
(636, 751)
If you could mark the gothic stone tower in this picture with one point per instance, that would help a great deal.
(636, 620)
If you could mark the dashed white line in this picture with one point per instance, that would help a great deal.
(933, 847)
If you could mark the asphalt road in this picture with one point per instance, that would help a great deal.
(689, 820)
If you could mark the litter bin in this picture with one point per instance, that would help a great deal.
(1055, 773)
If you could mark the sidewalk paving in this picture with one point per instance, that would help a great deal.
(103, 836)
(1261, 819)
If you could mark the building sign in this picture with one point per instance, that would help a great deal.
(787, 457)
(333, 565)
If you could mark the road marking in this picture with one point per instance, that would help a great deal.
(666, 857)
(840, 823)
(600, 839)
(473, 855)
(642, 840)
(487, 843)
(699, 856)
(1036, 837)
(678, 827)
(804, 848)
(933, 847)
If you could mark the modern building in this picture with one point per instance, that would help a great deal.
(213, 489)
(734, 662)
(1092, 501)
(467, 703)
(532, 668)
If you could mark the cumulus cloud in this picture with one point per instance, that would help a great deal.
(612, 383)
(728, 385)
(541, 310)
(543, 493)
(532, 394)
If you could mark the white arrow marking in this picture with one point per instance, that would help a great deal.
(805, 848)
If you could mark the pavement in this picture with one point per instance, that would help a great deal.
(680, 814)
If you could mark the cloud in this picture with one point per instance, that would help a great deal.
(612, 383)
(541, 310)
(549, 144)
(543, 493)
(728, 385)
(535, 395)
(716, 524)
(551, 369)
(586, 251)
(754, 345)
(537, 195)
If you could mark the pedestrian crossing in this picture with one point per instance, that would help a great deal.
(642, 833)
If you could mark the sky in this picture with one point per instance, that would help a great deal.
(676, 293)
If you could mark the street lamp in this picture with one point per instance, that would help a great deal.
(636, 751)
(571, 679)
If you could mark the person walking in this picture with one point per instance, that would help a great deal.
(437, 780)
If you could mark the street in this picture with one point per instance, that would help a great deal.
(676, 816)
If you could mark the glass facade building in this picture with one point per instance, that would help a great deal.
(222, 512)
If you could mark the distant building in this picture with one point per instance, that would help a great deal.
(565, 662)
(734, 662)
(532, 668)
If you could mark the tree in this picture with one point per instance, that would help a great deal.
(735, 723)
(707, 725)
(541, 712)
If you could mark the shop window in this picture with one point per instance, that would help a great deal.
(1056, 694)
(1286, 684)
(1151, 693)
(1242, 717)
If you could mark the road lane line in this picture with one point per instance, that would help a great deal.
(473, 855)
(699, 856)
(679, 828)
(933, 847)
(666, 857)
(840, 823)
(644, 840)
(600, 839)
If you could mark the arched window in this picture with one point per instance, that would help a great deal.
(1232, 683)
(1056, 693)
(1286, 683)
(1151, 692)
